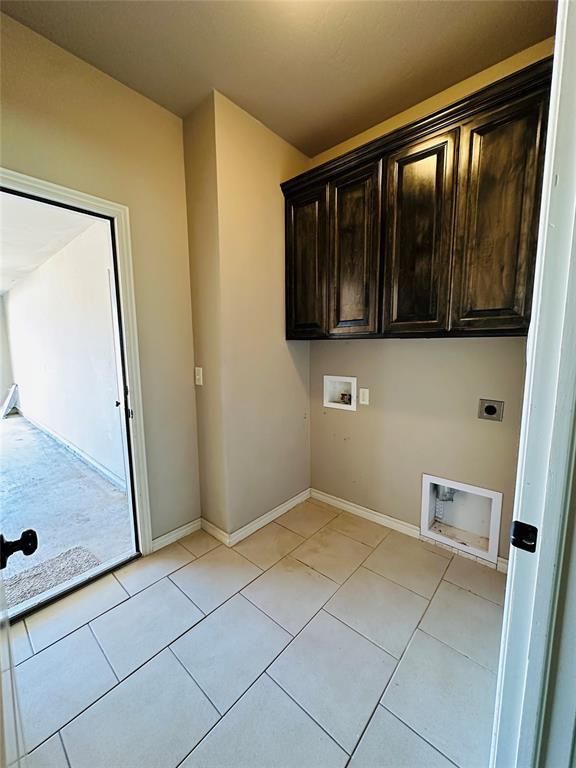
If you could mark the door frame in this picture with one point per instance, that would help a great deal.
(119, 217)
(534, 616)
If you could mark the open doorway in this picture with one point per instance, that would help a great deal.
(64, 433)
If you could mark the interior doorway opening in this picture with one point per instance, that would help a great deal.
(65, 436)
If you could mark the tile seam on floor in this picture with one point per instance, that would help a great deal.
(340, 584)
(267, 568)
(301, 707)
(191, 676)
(204, 614)
(379, 647)
(264, 672)
(239, 594)
(280, 652)
(29, 638)
(466, 589)
(119, 682)
(99, 644)
(460, 653)
(221, 718)
(119, 582)
(418, 594)
(179, 568)
(80, 626)
(393, 675)
(66, 757)
(410, 728)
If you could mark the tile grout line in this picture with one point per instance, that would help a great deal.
(91, 630)
(239, 592)
(66, 757)
(379, 647)
(122, 585)
(332, 738)
(418, 734)
(393, 675)
(379, 702)
(191, 676)
(204, 614)
(260, 610)
(165, 647)
(443, 642)
(391, 581)
(471, 591)
(265, 671)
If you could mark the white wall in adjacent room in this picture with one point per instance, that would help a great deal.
(61, 334)
(6, 377)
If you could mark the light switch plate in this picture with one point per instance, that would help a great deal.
(198, 376)
(364, 396)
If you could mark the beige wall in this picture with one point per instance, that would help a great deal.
(253, 407)
(205, 276)
(266, 378)
(423, 393)
(65, 121)
(63, 348)
(422, 417)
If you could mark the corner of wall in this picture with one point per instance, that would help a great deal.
(205, 285)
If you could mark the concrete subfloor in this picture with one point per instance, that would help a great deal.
(69, 504)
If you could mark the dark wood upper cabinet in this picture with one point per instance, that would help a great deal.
(306, 250)
(430, 230)
(500, 177)
(419, 219)
(354, 205)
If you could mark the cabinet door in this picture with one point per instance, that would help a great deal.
(306, 243)
(498, 203)
(419, 235)
(354, 273)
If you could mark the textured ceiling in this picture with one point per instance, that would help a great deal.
(315, 72)
(31, 232)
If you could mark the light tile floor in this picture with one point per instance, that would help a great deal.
(321, 640)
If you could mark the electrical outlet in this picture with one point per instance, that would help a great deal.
(364, 396)
(198, 376)
(492, 410)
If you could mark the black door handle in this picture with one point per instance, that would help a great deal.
(27, 544)
(523, 536)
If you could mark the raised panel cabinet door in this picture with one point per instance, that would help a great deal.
(499, 185)
(306, 240)
(354, 272)
(419, 226)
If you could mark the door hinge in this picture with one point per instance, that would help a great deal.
(523, 536)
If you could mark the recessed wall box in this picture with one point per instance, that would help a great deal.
(493, 410)
(463, 516)
(340, 392)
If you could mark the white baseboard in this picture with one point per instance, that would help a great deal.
(78, 452)
(230, 539)
(397, 525)
(368, 514)
(178, 533)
